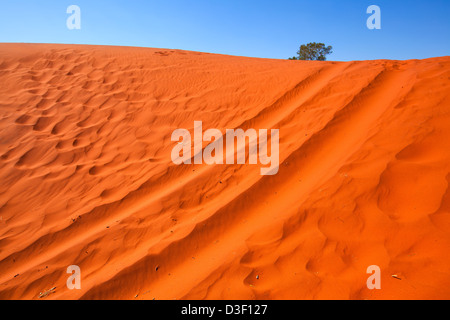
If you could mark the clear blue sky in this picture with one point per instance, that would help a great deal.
(269, 29)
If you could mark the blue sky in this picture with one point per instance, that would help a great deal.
(411, 29)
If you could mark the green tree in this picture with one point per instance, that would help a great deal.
(314, 51)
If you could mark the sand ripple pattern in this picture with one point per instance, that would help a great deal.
(87, 177)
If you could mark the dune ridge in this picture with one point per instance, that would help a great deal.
(85, 143)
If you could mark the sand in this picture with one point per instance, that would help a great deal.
(87, 177)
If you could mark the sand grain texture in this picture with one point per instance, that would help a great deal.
(87, 177)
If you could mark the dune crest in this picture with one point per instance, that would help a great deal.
(88, 179)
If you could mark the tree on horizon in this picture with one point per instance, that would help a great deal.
(313, 51)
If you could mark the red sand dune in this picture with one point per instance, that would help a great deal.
(87, 177)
